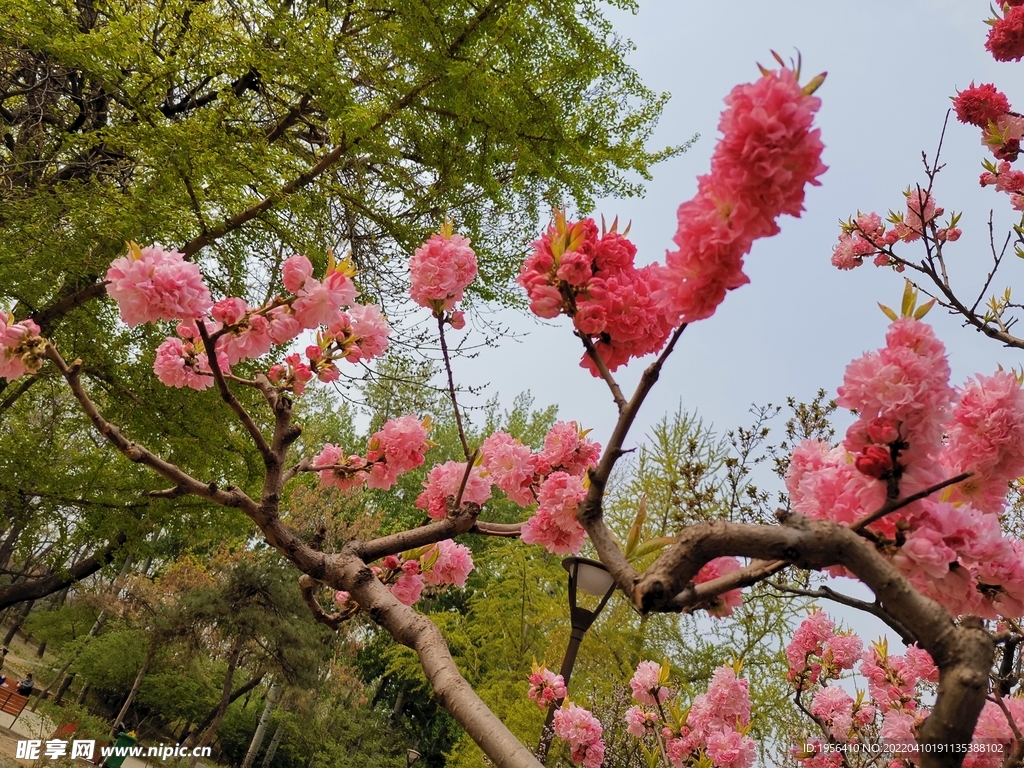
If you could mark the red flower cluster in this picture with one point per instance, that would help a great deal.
(1006, 38)
(592, 279)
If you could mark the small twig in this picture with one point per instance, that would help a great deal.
(875, 608)
(230, 399)
(451, 387)
(895, 504)
(465, 478)
(592, 353)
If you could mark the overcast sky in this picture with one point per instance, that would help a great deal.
(891, 68)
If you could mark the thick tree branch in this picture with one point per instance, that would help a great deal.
(35, 589)
(962, 653)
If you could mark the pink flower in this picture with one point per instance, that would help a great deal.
(986, 437)
(729, 749)
(440, 270)
(152, 284)
(980, 105)
(545, 687)
(1006, 38)
(283, 325)
(338, 471)
(640, 722)
(554, 525)
(567, 449)
(443, 482)
(646, 685)
(874, 461)
(898, 725)
(921, 212)
(21, 347)
(408, 588)
(725, 705)
(905, 384)
(550, 532)
(452, 566)
(398, 447)
(511, 466)
(319, 303)
(589, 755)
(577, 726)
(834, 706)
(184, 364)
(726, 602)
(295, 271)
(229, 311)
(808, 642)
(341, 597)
(767, 154)
(370, 329)
(247, 340)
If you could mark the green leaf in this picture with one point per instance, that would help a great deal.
(924, 309)
(888, 312)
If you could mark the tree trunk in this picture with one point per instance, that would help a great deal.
(205, 722)
(272, 748)
(65, 682)
(225, 698)
(150, 655)
(261, 727)
(82, 694)
(18, 621)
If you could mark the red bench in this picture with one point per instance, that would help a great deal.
(12, 702)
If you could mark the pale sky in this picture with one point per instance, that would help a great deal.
(891, 68)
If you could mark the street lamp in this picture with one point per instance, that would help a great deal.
(591, 577)
(411, 756)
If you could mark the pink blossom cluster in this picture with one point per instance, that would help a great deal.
(901, 395)
(440, 271)
(980, 105)
(986, 436)
(647, 684)
(553, 477)
(958, 556)
(840, 713)
(437, 565)
(21, 347)
(1006, 37)
(583, 731)
(1007, 180)
(951, 547)
(443, 483)
(818, 653)
(891, 711)
(994, 728)
(545, 687)
(868, 237)
(715, 726)
(182, 361)
(399, 446)
(768, 153)
(293, 374)
(590, 277)
(725, 603)
(151, 284)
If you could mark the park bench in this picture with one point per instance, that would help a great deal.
(12, 702)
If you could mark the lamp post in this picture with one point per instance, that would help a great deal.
(591, 577)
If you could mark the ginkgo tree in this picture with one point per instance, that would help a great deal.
(909, 502)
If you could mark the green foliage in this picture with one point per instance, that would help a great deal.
(111, 661)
